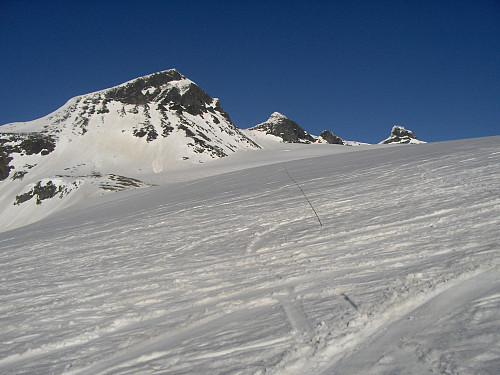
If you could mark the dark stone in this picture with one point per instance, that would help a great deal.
(402, 132)
(119, 183)
(146, 130)
(44, 192)
(5, 159)
(286, 129)
(29, 144)
(19, 175)
(400, 135)
(23, 197)
(167, 128)
(131, 93)
(37, 143)
(194, 100)
(331, 138)
(47, 191)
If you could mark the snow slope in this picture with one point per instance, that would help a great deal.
(231, 273)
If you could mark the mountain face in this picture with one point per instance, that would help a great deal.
(117, 138)
(401, 135)
(158, 114)
(108, 139)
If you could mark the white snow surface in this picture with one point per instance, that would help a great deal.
(225, 269)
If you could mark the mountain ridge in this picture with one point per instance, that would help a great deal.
(112, 139)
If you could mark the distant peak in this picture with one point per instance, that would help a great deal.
(401, 131)
(281, 126)
(399, 134)
(331, 138)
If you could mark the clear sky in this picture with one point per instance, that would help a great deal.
(353, 67)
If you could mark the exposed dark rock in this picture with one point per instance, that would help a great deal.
(37, 144)
(144, 90)
(288, 130)
(41, 192)
(19, 175)
(195, 100)
(167, 128)
(28, 144)
(331, 138)
(5, 159)
(132, 92)
(146, 130)
(45, 192)
(200, 145)
(400, 135)
(218, 108)
(119, 183)
(23, 197)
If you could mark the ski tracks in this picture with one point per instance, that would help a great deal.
(295, 312)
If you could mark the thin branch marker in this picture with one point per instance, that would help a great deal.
(304, 194)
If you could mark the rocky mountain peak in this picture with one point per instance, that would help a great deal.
(168, 88)
(276, 116)
(281, 126)
(112, 137)
(401, 135)
(331, 138)
(143, 89)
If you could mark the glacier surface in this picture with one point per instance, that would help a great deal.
(226, 270)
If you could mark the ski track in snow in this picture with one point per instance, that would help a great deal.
(233, 274)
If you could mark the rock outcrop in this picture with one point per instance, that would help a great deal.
(401, 135)
(281, 126)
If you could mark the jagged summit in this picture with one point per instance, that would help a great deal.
(401, 135)
(281, 126)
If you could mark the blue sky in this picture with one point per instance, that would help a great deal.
(353, 67)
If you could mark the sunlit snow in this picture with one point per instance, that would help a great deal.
(226, 270)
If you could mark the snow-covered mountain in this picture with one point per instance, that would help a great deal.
(108, 140)
(401, 135)
(289, 256)
(224, 269)
(117, 138)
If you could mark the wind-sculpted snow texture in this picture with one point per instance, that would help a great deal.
(233, 274)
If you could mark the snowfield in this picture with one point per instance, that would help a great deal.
(228, 271)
